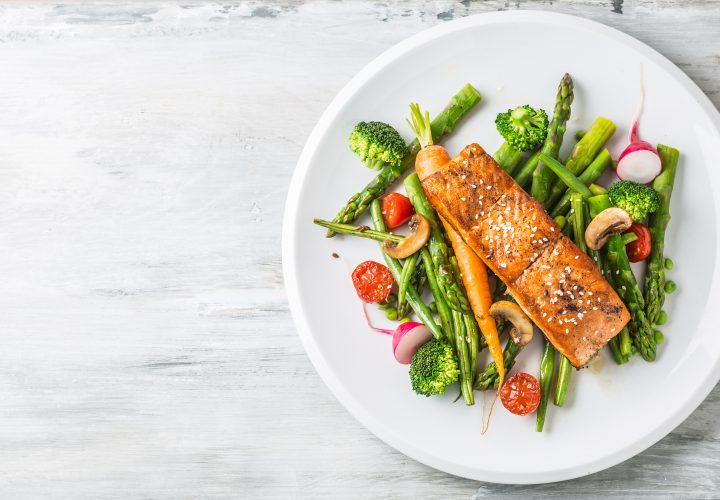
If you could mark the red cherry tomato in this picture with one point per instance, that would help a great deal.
(372, 281)
(521, 394)
(396, 210)
(639, 249)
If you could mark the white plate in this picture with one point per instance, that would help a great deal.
(513, 58)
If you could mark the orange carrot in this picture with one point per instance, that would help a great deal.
(475, 278)
(430, 159)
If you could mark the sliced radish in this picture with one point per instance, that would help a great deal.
(407, 339)
(640, 165)
(639, 162)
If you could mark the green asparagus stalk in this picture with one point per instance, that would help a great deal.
(361, 231)
(443, 309)
(489, 378)
(507, 157)
(463, 352)
(565, 369)
(452, 290)
(547, 370)
(525, 173)
(543, 177)
(408, 271)
(591, 174)
(443, 124)
(565, 175)
(641, 331)
(655, 276)
(583, 154)
(413, 297)
(620, 344)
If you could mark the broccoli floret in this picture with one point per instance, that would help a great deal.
(523, 127)
(636, 199)
(377, 143)
(433, 368)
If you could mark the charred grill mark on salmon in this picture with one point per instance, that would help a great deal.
(552, 279)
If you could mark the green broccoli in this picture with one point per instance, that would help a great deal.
(434, 367)
(523, 128)
(377, 143)
(636, 199)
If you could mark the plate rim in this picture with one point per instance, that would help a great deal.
(346, 399)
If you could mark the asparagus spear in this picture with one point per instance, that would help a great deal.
(565, 369)
(507, 157)
(439, 250)
(547, 369)
(543, 177)
(443, 124)
(565, 175)
(489, 378)
(525, 173)
(626, 286)
(583, 154)
(592, 173)
(413, 297)
(655, 276)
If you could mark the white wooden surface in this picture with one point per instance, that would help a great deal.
(146, 348)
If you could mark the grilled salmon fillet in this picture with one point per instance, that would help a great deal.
(554, 282)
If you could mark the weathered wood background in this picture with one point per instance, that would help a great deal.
(147, 350)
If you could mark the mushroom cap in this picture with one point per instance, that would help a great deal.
(610, 221)
(419, 235)
(522, 331)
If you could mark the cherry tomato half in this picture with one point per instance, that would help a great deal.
(372, 281)
(521, 394)
(639, 249)
(396, 210)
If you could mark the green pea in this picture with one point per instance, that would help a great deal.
(404, 320)
(662, 318)
(670, 286)
(432, 306)
(659, 337)
(669, 263)
(392, 298)
(391, 313)
(560, 221)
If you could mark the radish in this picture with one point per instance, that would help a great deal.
(639, 162)
(407, 338)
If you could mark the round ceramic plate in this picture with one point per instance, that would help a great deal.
(512, 58)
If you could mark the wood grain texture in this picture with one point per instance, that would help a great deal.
(147, 350)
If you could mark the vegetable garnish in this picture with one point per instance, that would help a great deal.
(396, 210)
(372, 281)
(443, 124)
(639, 250)
(523, 129)
(636, 199)
(639, 161)
(434, 367)
(406, 338)
(475, 277)
(521, 394)
(377, 144)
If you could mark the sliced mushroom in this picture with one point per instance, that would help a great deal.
(419, 234)
(522, 331)
(608, 222)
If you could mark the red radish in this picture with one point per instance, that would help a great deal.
(407, 338)
(640, 161)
